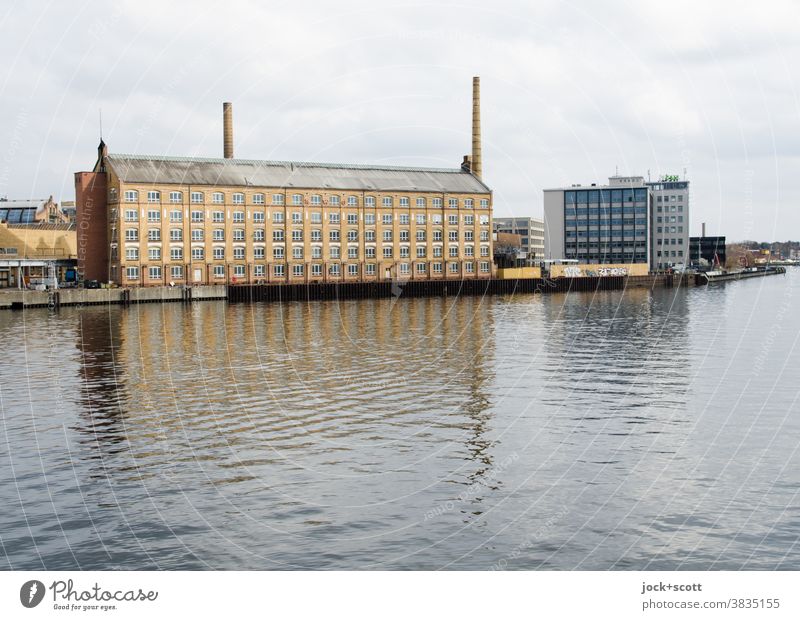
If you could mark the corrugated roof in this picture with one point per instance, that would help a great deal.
(45, 226)
(287, 174)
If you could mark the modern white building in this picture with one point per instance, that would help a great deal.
(670, 223)
(529, 228)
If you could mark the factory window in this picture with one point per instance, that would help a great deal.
(316, 217)
(469, 251)
(132, 254)
(333, 200)
(197, 217)
(436, 218)
(154, 216)
(404, 252)
(420, 235)
(334, 235)
(352, 235)
(196, 198)
(297, 235)
(420, 219)
(484, 203)
(334, 270)
(176, 197)
(369, 219)
(352, 252)
(452, 220)
(387, 252)
(153, 196)
(387, 235)
(387, 201)
(468, 202)
(238, 217)
(297, 270)
(453, 235)
(238, 253)
(403, 219)
(403, 235)
(176, 253)
(316, 252)
(387, 219)
(132, 273)
(218, 198)
(484, 267)
(219, 253)
(404, 201)
(219, 271)
(369, 252)
(452, 203)
(297, 199)
(155, 273)
(453, 267)
(238, 234)
(421, 203)
(277, 271)
(277, 235)
(217, 217)
(218, 234)
(437, 203)
(437, 235)
(484, 250)
(484, 235)
(198, 254)
(297, 217)
(437, 267)
(421, 251)
(277, 253)
(369, 235)
(352, 201)
(176, 272)
(131, 196)
(404, 268)
(259, 271)
(316, 270)
(316, 200)
(422, 267)
(469, 267)
(258, 199)
(198, 234)
(369, 201)
(277, 217)
(176, 215)
(352, 218)
(238, 198)
(277, 199)
(469, 220)
(335, 251)
(316, 235)
(258, 217)
(154, 234)
(131, 215)
(131, 234)
(370, 269)
(333, 218)
(453, 251)
(258, 253)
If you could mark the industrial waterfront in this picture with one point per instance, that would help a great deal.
(645, 429)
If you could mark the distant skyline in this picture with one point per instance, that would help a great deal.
(570, 92)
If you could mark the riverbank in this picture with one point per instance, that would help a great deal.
(19, 299)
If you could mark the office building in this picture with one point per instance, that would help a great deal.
(669, 246)
(530, 230)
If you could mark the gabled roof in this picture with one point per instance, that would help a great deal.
(288, 174)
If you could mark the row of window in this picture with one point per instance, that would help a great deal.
(238, 198)
(605, 196)
(279, 235)
(672, 241)
(238, 217)
(673, 198)
(670, 253)
(154, 272)
(279, 253)
(669, 229)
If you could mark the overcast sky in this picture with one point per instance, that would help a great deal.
(570, 91)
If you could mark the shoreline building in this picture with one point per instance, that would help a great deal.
(670, 223)
(530, 230)
(155, 220)
(593, 224)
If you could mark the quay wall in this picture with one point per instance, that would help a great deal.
(17, 299)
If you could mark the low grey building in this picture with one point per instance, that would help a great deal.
(530, 229)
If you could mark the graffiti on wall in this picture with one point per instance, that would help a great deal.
(578, 272)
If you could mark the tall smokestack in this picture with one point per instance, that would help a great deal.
(476, 127)
(227, 129)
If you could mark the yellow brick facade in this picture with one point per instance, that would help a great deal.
(324, 236)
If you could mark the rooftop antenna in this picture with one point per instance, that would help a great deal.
(616, 171)
(648, 175)
(684, 174)
(100, 115)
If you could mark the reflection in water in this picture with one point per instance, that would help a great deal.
(561, 431)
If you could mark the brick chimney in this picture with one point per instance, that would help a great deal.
(477, 167)
(227, 129)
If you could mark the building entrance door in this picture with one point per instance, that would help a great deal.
(198, 275)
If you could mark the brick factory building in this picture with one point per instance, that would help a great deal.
(154, 221)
